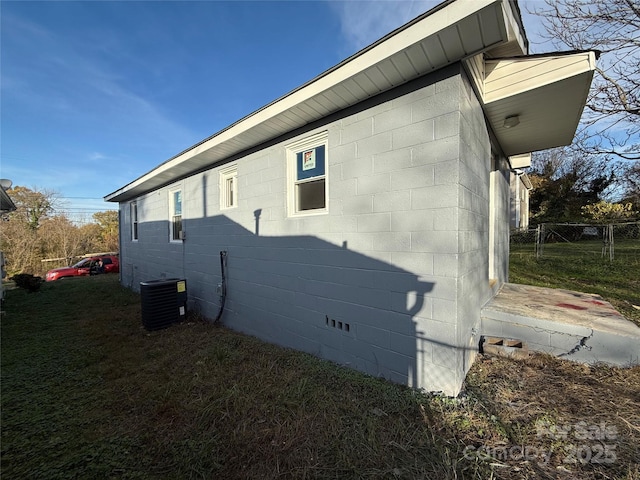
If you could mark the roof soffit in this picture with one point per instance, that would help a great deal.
(447, 34)
(546, 92)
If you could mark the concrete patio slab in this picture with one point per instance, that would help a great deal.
(574, 325)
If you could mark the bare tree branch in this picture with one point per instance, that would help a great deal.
(612, 28)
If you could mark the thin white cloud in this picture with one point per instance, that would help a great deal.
(79, 108)
(58, 177)
(97, 157)
(75, 84)
(364, 22)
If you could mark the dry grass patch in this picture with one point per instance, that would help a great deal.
(577, 421)
(88, 393)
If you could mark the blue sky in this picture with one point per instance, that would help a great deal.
(95, 94)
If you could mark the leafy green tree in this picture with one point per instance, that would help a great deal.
(20, 238)
(631, 184)
(32, 206)
(564, 181)
(603, 211)
(108, 222)
(36, 231)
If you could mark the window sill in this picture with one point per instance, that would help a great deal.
(309, 213)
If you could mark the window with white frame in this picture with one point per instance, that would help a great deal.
(229, 187)
(134, 220)
(307, 167)
(175, 211)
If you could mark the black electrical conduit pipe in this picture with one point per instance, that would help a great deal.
(223, 284)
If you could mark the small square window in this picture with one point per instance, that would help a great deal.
(229, 187)
(307, 165)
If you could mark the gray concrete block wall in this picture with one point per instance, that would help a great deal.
(473, 226)
(152, 256)
(390, 258)
(503, 225)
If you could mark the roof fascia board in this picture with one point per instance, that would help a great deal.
(513, 76)
(513, 19)
(430, 23)
(549, 101)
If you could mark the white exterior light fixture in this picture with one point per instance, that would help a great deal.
(511, 121)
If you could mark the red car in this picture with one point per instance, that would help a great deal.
(86, 266)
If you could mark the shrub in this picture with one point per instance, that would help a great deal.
(27, 281)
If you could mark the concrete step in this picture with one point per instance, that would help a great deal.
(505, 347)
(572, 325)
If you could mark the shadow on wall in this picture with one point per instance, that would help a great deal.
(303, 292)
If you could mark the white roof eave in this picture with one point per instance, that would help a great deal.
(546, 92)
(470, 27)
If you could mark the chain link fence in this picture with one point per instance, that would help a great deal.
(606, 241)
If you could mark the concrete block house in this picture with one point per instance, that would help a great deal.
(365, 214)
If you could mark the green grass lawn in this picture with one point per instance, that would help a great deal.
(580, 267)
(88, 393)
